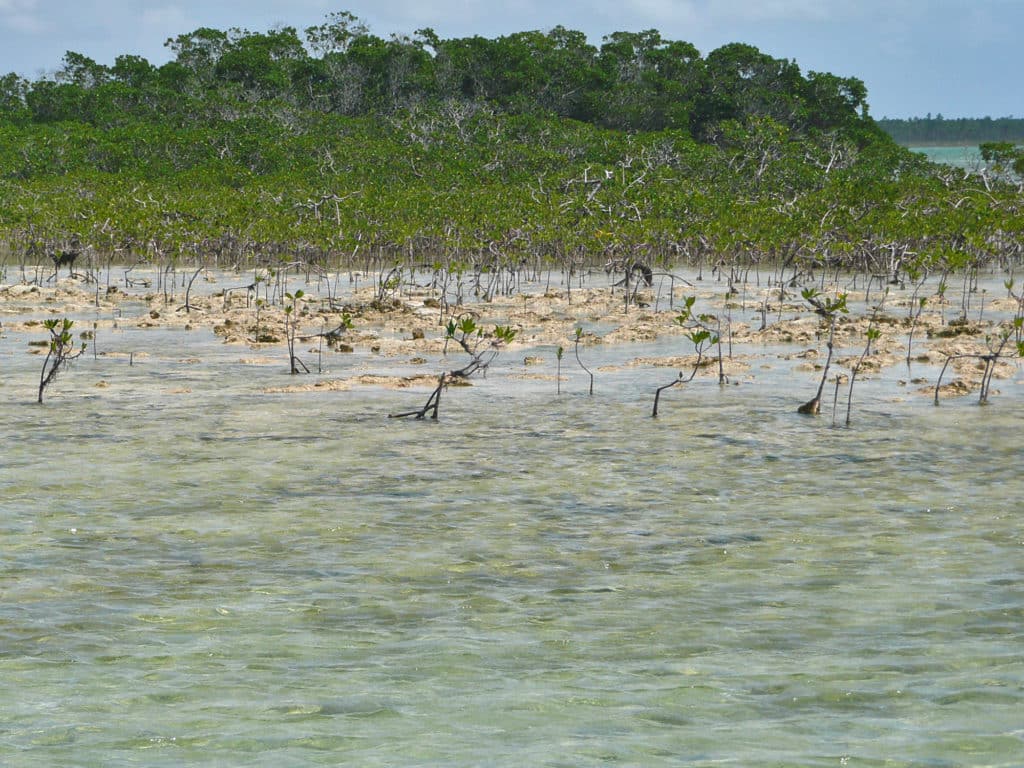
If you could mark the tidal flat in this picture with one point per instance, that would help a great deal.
(210, 561)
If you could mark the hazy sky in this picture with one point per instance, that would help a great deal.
(954, 57)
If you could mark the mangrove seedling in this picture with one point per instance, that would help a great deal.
(558, 370)
(60, 352)
(188, 291)
(991, 359)
(579, 337)
(333, 337)
(291, 325)
(482, 350)
(940, 293)
(829, 309)
(704, 321)
(336, 334)
(916, 309)
(873, 334)
(996, 347)
(702, 340)
(1018, 315)
(704, 337)
(388, 286)
(259, 306)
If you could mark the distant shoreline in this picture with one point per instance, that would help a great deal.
(952, 144)
(940, 131)
(932, 144)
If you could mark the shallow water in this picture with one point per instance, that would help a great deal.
(199, 573)
(958, 156)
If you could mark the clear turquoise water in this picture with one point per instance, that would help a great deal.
(225, 577)
(960, 156)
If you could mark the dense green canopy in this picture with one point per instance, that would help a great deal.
(538, 143)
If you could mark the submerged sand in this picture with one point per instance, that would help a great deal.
(410, 325)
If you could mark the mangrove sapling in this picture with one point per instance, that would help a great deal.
(188, 291)
(671, 288)
(916, 309)
(166, 278)
(60, 353)
(872, 334)
(1018, 315)
(576, 349)
(291, 324)
(938, 381)
(482, 350)
(838, 379)
(705, 321)
(558, 370)
(829, 309)
(336, 334)
(940, 293)
(703, 339)
(320, 348)
(259, 306)
(990, 359)
(388, 285)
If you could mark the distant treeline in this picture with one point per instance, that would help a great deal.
(632, 81)
(279, 145)
(919, 131)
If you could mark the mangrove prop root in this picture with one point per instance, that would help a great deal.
(432, 404)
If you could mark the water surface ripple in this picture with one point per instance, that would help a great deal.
(225, 577)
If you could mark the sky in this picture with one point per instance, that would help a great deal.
(957, 58)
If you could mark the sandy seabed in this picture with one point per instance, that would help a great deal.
(409, 326)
